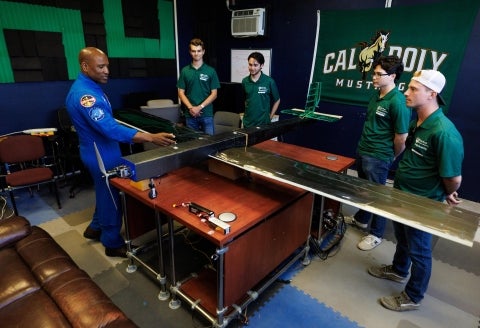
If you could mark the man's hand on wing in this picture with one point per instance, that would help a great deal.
(163, 139)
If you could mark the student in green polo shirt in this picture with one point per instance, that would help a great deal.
(382, 140)
(431, 167)
(197, 89)
(261, 93)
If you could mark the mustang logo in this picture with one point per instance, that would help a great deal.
(371, 52)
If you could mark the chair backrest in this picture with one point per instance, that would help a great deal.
(225, 121)
(21, 148)
(171, 113)
(164, 108)
(158, 103)
(64, 120)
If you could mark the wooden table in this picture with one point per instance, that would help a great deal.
(329, 161)
(273, 222)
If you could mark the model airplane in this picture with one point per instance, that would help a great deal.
(453, 223)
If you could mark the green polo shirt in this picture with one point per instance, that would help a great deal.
(436, 152)
(260, 96)
(385, 117)
(198, 84)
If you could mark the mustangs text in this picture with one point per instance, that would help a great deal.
(414, 59)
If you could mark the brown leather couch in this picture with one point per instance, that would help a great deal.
(41, 286)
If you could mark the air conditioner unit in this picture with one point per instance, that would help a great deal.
(248, 22)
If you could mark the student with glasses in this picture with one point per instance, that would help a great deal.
(431, 167)
(382, 140)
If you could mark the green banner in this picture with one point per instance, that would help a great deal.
(423, 36)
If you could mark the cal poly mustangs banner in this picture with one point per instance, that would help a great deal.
(430, 36)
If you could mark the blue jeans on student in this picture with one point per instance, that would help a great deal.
(375, 170)
(414, 247)
(204, 124)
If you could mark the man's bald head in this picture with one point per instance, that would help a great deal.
(89, 52)
(94, 63)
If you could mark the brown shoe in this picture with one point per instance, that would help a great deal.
(93, 234)
(116, 252)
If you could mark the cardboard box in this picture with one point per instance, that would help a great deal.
(140, 185)
(226, 170)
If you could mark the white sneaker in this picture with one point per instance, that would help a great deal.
(369, 242)
(350, 219)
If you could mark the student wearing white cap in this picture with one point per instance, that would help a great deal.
(431, 167)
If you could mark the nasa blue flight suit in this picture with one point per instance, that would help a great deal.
(91, 114)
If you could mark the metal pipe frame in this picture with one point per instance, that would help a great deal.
(133, 258)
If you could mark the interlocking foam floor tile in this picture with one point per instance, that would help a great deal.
(35, 208)
(290, 307)
(82, 252)
(293, 270)
(77, 218)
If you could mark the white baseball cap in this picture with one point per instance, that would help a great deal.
(433, 80)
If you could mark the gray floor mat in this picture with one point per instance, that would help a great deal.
(82, 252)
(79, 217)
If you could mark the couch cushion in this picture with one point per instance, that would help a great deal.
(34, 310)
(16, 280)
(41, 286)
(13, 229)
(43, 255)
(82, 302)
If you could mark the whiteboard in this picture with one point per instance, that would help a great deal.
(239, 63)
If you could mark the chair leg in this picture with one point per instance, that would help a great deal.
(56, 194)
(12, 199)
(71, 191)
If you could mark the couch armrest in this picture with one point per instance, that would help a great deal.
(13, 229)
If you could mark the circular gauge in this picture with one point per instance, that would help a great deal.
(227, 217)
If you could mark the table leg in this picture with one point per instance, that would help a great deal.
(220, 285)
(132, 267)
(164, 294)
(174, 302)
(306, 258)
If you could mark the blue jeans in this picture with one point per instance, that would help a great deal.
(375, 170)
(204, 124)
(414, 247)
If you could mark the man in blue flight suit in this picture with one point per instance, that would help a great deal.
(91, 114)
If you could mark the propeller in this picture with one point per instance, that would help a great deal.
(105, 174)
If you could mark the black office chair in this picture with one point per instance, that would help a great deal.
(70, 154)
(22, 156)
(226, 121)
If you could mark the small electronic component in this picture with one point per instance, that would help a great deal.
(207, 216)
(219, 225)
(153, 192)
(199, 210)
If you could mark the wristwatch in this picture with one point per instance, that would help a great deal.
(201, 105)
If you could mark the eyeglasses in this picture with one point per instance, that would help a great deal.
(411, 137)
(376, 74)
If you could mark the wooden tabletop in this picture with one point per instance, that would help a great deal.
(329, 161)
(251, 200)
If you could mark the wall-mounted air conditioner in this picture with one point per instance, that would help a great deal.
(248, 22)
